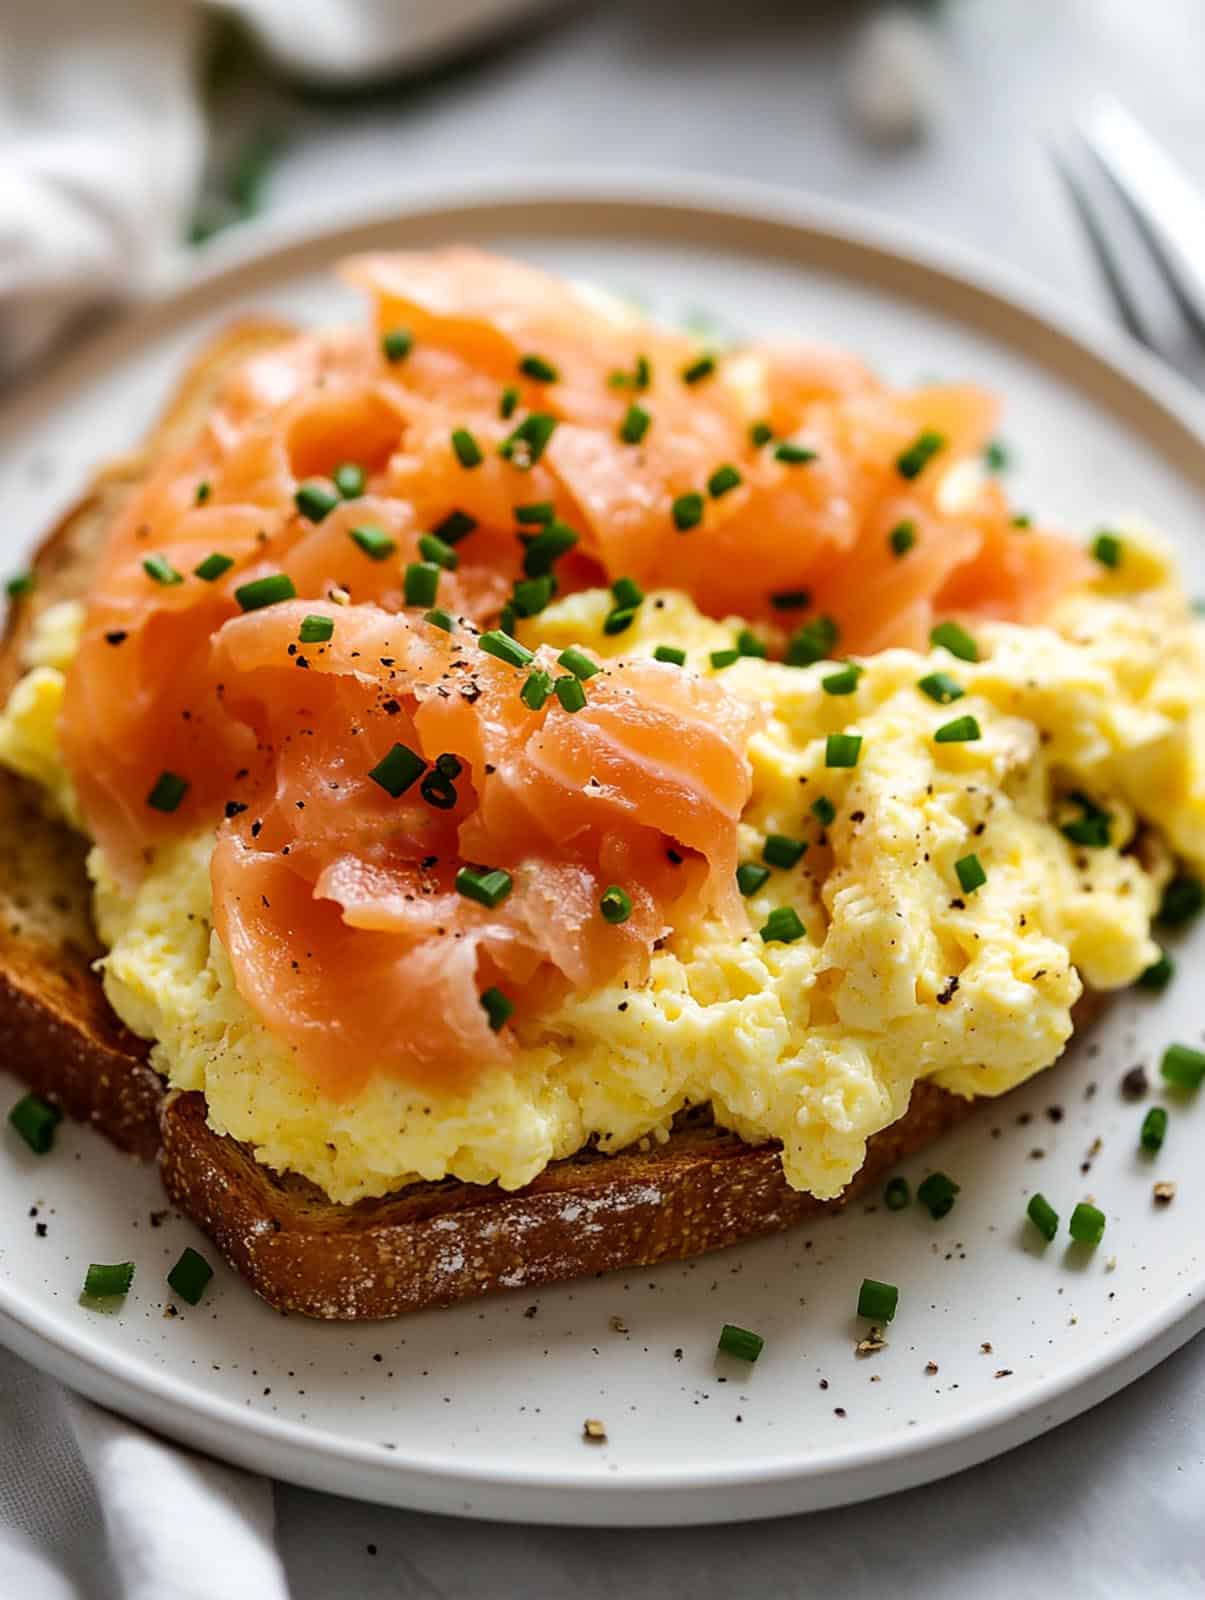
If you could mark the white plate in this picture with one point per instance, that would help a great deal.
(479, 1409)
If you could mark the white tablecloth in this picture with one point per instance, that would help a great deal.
(1109, 1505)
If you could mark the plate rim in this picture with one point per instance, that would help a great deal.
(660, 1494)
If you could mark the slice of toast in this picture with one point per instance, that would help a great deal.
(429, 1244)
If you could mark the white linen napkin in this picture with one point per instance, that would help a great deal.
(102, 135)
(93, 1508)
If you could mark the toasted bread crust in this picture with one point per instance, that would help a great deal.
(427, 1245)
(433, 1244)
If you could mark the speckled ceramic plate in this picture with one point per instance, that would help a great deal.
(479, 1409)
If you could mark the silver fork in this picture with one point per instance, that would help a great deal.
(1168, 214)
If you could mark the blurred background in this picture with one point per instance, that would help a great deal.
(136, 136)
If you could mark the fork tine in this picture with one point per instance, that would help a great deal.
(1085, 208)
(1162, 200)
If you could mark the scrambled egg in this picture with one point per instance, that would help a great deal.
(903, 974)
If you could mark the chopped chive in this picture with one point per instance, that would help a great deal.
(1021, 520)
(497, 1007)
(525, 444)
(1154, 1129)
(1159, 974)
(962, 730)
(1043, 1216)
(995, 456)
(619, 620)
(488, 886)
(167, 791)
(537, 686)
(20, 584)
(376, 544)
(910, 463)
(536, 367)
(780, 850)
(750, 876)
(1107, 548)
(791, 600)
(531, 595)
(269, 591)
(1183, 1066)
(549, 545)
(1182, 900)
(639, 378)
(793, 455)
(971, 875)
(702, 368)
(575, 661)
(420, 583)
(315, 501)
(397, 344)
(457, 525)
(824, 811)
(570, 694)
(161, 570)
(108, 1282)
(723, 658)
(671, 654)
(635, 424)
(1087, 1225)
(615, 904)
(315, 629)
(877, 1301)
(627, 592)
(434, 549)
(901, 538)
(748, 644)
(843, 682)
(842, 749)
(213, 567)
(687, 511)
(508, 402)
(760, 433)
(723, 480)
(439, 618)
(398, 770)
(499, 644)
(814, 641)
(897, 1196)
(936, 1194)
(739, 1342)
(939, 686)
(535, 513)
(349, 479)
(465, 448)
(203, 492)
(956, 640)
(190, 1275)
(35, 1120)
(1093, 828)
(782, 926)
(437, 788)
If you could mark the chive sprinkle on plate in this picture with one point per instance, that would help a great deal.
(190, 1275)
(102, 1282)
(35, 1120)
(877, 1302)
(740, 1342)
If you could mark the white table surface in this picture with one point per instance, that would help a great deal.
(1111, 1504)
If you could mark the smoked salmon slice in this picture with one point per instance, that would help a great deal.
(338, 881)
